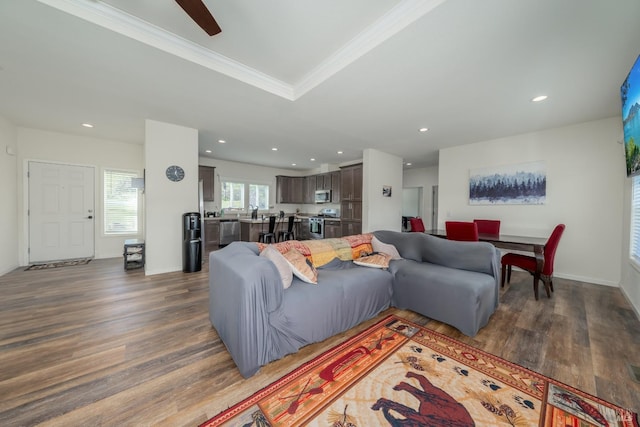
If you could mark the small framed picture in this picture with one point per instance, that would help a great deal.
(386, 191)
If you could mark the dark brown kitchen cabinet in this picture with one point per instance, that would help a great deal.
(309, 189)
(351, 210)
(351, 199)
(323, 181)
(207, 175)
(332, 228)
(297, 194)
(335, 178)
(351, 183)
(283, 189)
(289, 189)
(349, 228)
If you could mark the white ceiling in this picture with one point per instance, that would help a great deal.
(313, 77)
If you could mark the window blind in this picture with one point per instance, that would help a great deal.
(635, 220)
(120, 203)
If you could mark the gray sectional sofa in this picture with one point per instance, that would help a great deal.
(259, 321)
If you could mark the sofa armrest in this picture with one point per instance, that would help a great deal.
(243, 289)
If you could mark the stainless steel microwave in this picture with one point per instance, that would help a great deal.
(323, 196)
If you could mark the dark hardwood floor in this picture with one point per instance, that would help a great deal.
(96, 345)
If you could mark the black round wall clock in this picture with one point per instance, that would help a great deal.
(175, 173)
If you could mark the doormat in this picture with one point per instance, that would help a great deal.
(397, 373)
(57, 264)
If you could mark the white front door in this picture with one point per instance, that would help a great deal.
(61, 212)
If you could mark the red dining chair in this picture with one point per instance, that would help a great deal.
(463, 231)
(417, 225)
(528, 263)
(488, 226)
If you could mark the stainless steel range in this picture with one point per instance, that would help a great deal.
(316, 223)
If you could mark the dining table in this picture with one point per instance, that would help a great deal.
(510, 242)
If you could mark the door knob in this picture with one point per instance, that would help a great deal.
(90, 217)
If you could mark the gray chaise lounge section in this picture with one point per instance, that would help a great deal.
(453, 282)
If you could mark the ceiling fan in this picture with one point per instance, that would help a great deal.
(197, 10)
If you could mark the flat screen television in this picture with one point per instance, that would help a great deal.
(630, 94)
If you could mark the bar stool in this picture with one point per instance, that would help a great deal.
(270, 235)
(288, 234)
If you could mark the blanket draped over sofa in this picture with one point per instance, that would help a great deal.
(259, 321)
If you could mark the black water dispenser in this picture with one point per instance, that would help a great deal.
(191, 242)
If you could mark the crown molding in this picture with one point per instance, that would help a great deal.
(399, 17)
(394, 21)
(133, 27)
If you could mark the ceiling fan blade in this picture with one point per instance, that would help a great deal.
(201, 15)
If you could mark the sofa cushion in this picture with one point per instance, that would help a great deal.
(386, 248)
(345, 296)
(282, 264)
(301, 266)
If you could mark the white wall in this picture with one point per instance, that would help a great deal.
(34, 144)
(9, 197)
(412, 201)
(585, 170)
(378, 212)
(166, 201)
(424, 178)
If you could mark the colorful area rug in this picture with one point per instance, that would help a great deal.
(57, 264)
(399, 374)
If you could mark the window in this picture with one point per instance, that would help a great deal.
(120, 203)
(259, 196)
(234, 195)
(634, 244)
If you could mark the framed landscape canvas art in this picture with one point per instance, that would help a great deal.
(519, 184)
(630, 94)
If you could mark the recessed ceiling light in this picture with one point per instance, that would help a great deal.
(207, 151)
(424, 129)
(87, 125)
(222, 141)
(339, 152)
(274, 149)
(313, 160)
(408, 164)
(293, 164)
(539, 98)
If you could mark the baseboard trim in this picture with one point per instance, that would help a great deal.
(633, 307)
(587, 279)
